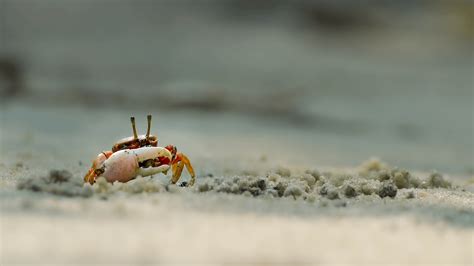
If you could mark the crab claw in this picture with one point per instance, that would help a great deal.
(97, 167)
(125, 165)
(153, 160)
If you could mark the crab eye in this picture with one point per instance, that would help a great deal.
(99, 171)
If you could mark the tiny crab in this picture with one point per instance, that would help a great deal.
(139, 155)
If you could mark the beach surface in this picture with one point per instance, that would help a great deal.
(148, 221)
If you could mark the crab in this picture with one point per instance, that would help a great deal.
(139, 155)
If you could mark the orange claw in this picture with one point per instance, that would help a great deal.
(96, 164)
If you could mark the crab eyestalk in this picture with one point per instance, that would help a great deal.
(132, 120)
(149, 127)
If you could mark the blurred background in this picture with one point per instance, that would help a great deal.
(304, 82)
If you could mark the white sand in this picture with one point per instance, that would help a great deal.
(202, 229)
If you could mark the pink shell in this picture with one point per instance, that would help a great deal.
(121, 166)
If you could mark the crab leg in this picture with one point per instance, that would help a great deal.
(90, 176)
(179, 162)
(177, 169)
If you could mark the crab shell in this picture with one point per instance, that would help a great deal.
(124, 166)
(134, 143)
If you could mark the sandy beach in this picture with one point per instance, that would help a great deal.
(321, 133)
(148, 222)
